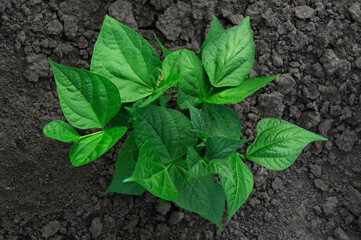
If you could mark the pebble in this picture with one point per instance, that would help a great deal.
(164, 208)
(70, 26)
(54, 27)
(271, 104)
(320, 185)
(310, 119)
(330, 206)
(175, 217)
(329, 61)
(340, 234)
(304, 12)
(352, 201)
(50, 229)
(123, 12)
(96, 227)
(277, 184)
(316, 170)
(355, 10)
(346, 140)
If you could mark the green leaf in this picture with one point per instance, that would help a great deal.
(236, 94)
(230, 56)
(119, 120)
(237, 183)
(194, 85)
(152, 175)
(164, 99)
(169, 129)
(118, 186)
(91, 146)
(221, 147)
(128, 151)
(279, 143)
(216, 29)
(61, 131)
(171, 64)
(165, 51)
(199, 122)
(126, 59)
(171, 81)
(223, 122)
(88, 100)
(200, 195)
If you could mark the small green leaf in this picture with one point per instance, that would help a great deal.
(194, 85)
(199, 121)
(164, 99)
(152, 175)
(128, 151)
(230, 56)
(94, 145)
(165, 51)
(118, 186)
(236, 94)
(88, 100)
(171, 64)
(223, 122)
(126, 59)
(237, 182)
(216, 29)
(171, 81)
(200, 195)
(221, 147)
(279, 143)
(61, 131)
(169, 129)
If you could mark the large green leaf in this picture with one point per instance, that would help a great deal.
(152, 175)
(279, 143)
(223, 122)
(221, 147)
(216, 29)
(88, 100)
(194, 85)
(128, 151)
(126, 59)
(165, 51)
(120, 120)
(61, 131)
(236, 94)
(200, 195)
(237, 183)
(94, 145)
(199, 122)
(118, 186)
(169, 129)
(230, 56)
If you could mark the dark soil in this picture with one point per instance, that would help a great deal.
(314, 44)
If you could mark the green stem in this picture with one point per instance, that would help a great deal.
(204, 162)
(95, 133)
(241, 156)
(210, 91)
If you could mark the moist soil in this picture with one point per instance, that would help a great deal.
(314, 44)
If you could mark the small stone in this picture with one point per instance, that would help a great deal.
(316, 170)
(352, 201)
(346, 140)
(70, 26)
(175, 218)
(54, 27)
(277, 184)
(161, 4)
(50, 229)
(355, 10)
(96, 227)
(123, 12)
(358, 62)
(271, 105)
(340, 234)
(320, 185)
(325, 126)
(310, 119)
(304, 12)
(164, 208)
(285, 83)
(329, 61)
(277, 60)
(330, 206)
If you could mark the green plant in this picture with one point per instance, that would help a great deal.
(173, 156)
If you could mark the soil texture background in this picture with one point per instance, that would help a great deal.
(314, 44)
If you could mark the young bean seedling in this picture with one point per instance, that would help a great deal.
(173, 154)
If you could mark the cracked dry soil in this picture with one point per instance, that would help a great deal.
(314, 44)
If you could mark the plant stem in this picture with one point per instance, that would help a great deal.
(91, 134)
